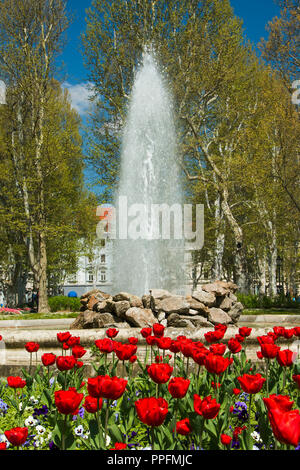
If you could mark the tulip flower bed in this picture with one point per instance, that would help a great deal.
(186, 395)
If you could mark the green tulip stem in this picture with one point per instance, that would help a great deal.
(106, 421)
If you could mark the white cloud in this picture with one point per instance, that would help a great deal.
(80, 95)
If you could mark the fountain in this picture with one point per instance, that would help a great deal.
(149, 177)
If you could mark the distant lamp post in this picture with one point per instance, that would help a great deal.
(2, 92)
(279, 269)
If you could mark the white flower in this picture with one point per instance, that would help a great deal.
(33, 400)
(108, 439)
(3, 438)
(255, 435)
(20, 406)
(49, 436)
(40, 429)
(30, 421)
(79, 430)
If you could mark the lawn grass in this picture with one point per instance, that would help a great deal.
(40, 316)
(271, 311)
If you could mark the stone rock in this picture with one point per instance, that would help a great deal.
(178, 321)
(91, 319)
(233, 297)
(228, 285)
(111, 306)
(161, 316)
(121, 296)
(196, 305)
(216, 289)
(216, 315)
(160, 294)
(174, 304)
(135, 301)
(224, 303)
(101, 306)
(121, 308)
(106, 320)
(97, 293)
(164, 323)
(206, 298)
(93, 300)
(193, 312)
(140, 317)
(236, 311)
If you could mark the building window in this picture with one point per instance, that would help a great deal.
(90, 276)
(103, 242)
(72, 279)
(102, 276)
(102, 258)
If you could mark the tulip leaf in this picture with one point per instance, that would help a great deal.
(115, 433)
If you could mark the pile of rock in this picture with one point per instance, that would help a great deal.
(210, 304)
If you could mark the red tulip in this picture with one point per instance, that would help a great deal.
(164, 342)
(269, 351)
(91, 404)
(2, 444)
(152, 411)
(174, 347)
(286, 357)
(48, 359)
(282, 402)
(16, 436)
(105, 386)
(65, 362)
(251, 383)
(32, 347)
(178, 387)
(199, 355)
(111, 332)
(225, 439)
(125, 351)
(151, 340)
(67, 401)
(133, 340)
(218, 348)
(234, 345)
(297, 331)
(63, 337)
(206, 407)
(133, 359)
(216, 364)
(221, 328)
(296, 379)
(16, 382)
(146, 332)
(119, 446)
(72, 341)
(158, 330)
(212, 336)
(236, 391)
(183, 427)
(279, 330)
(160, 373)
(265, 339)
(245, 331)
(78, 351)
(285, 425)
(288, 333)
(105, 345)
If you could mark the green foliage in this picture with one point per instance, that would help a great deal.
(61, 303)
(266, 302)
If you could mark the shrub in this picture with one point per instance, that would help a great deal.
(63, 303)
(264, 301)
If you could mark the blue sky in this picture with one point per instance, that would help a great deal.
(255, 14)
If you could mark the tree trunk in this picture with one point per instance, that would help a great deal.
(272, 262)
(262, 265)
(217, 270)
